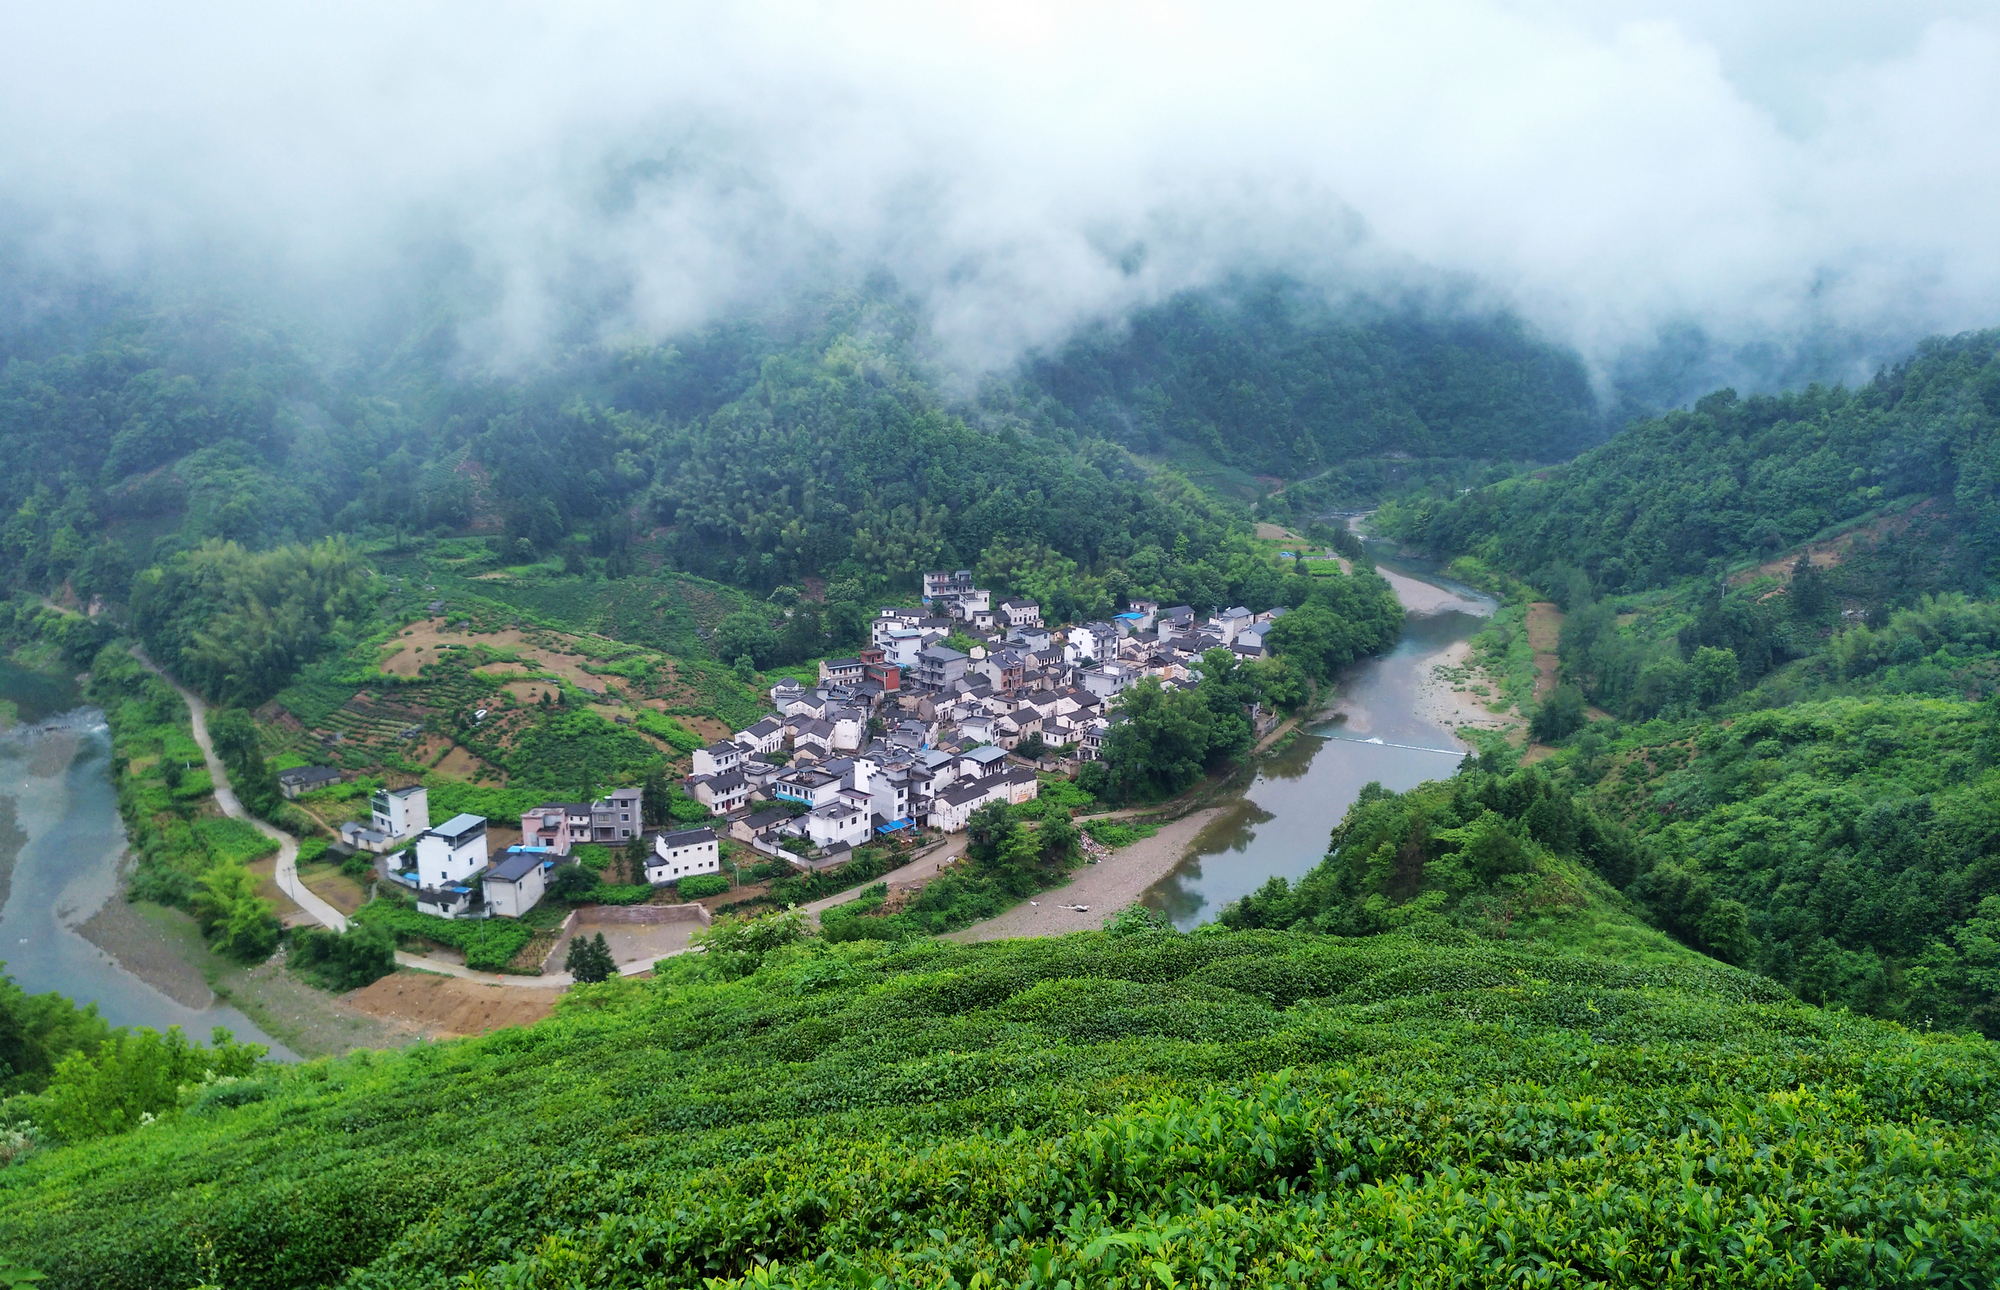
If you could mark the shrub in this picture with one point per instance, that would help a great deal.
(700, 885)
(364, 953)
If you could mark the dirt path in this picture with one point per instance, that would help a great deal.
(1544, 632)
(914, 874)
(1101, 889)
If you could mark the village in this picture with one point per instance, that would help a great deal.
(910, 735)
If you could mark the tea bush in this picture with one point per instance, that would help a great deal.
(1142, 1108)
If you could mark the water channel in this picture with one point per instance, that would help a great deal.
(62, 840)
(1278, 825)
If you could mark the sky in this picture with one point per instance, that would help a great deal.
(1768, 173)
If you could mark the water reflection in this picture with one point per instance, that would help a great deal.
(68, 840)
(1280, 823)
(36, 696)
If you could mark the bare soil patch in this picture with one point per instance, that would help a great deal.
(1544, 630)
(459, 763)
(147, 943)
(1825, 555)
(334, 887)
(448, 1007)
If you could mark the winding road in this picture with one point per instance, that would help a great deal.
(287, 872)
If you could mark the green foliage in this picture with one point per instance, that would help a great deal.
(489, 944)
(132, 1078)
(700, 885)
(1559, 716)
(1117, 833)
(1845, 847)
(575, 883)
(1228, 1108)
(1265, 375)
(449, 797)
(1492, 852)
(342, 961)
(1740, 479)
(238, 625)
(38, 1031)
(589, 960)
(678, 736)
(231, 913)
(1342, 618)
(738, 946)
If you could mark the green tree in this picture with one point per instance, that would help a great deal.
(231, 913)
(746, 634)
(1712, 673)
(1159, 744)
(589, 961)
(1559, 716)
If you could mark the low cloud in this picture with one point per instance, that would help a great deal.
(1802, 177)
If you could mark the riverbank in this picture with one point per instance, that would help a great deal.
(1446, 696)
(1105, 887)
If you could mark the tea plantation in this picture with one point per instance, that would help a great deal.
(1219, 1109)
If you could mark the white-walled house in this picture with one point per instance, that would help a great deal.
(838, 823)
(1021, 613)
(717, 759)
(767, 736)
(515, 884)
(451, 852)
(721, 794)
(681, 854)
(951, 808)
(399, 812)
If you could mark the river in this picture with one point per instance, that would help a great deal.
(62, 839)
(1278, 824)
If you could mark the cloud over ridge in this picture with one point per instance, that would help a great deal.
(1605, 171)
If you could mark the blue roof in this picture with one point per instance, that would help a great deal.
(1131, 615)
(892, 826)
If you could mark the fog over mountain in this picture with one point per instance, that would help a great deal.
(1811, 179)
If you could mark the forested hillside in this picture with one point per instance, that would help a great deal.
(815, 442)
(1778, 663)
(1268, 376)
(1132, 1108)
(1738, 480)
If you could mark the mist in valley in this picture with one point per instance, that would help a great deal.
(1682, 194)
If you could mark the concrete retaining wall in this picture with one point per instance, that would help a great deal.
(607, 915)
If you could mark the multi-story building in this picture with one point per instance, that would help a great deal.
(681, 854)
(1021, 613)
(399, 812)
(940, 666)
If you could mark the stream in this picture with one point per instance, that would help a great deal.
(1278, 822)
(62, 840)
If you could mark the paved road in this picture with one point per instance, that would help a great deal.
(288, 863)
(225, 797)
(547, 981)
